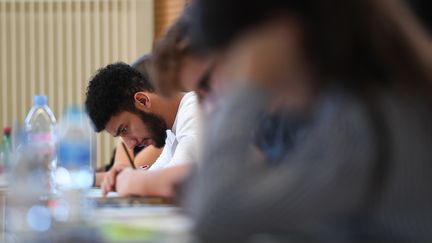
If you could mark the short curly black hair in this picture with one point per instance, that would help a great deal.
(111, 91)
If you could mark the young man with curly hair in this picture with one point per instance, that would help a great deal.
(123, 102)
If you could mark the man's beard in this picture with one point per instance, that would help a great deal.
(156, 125)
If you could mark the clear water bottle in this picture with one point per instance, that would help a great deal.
(31, 183)
(74, 173)
(40, 129)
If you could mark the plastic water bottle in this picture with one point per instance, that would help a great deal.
(74, 174)
(75, 148)
(40, 129)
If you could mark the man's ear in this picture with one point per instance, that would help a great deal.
(142, 100)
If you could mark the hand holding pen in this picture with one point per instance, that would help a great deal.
(109, 181)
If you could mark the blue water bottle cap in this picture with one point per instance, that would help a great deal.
(40, 100)
(73, 113)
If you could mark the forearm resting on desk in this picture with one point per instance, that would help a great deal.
(146, 157)
(151, 183)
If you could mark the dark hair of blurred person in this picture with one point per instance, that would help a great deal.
(422, 9)
(329, 42)
(178, 63)
(362, 70)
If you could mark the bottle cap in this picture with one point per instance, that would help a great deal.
(6, 131)
(40, 100)
(73, 113)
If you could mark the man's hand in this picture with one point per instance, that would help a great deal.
(109, 180)
(127, 180)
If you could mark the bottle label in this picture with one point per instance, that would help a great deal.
(74, 154)
(41, 137)
(43, 142)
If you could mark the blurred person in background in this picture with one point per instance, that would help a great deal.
(360, 73)
(123, 102)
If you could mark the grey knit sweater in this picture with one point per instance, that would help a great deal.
(359, 174)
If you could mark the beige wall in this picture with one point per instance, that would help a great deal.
(166, 12)
(52, 47)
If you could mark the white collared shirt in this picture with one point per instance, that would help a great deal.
(181, 141)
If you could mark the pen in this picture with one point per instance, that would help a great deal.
(128, 155)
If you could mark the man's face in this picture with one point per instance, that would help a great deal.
(138, 128)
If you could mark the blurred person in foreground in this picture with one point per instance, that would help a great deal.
(123, 102)
(360, 72)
